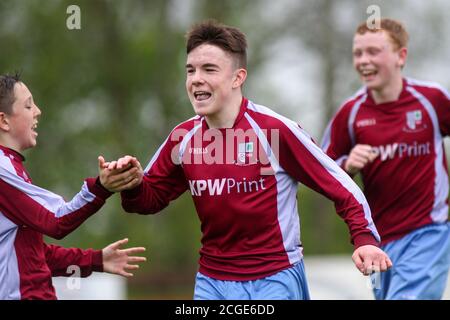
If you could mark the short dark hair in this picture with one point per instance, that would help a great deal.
(7, 83)
(229, 39)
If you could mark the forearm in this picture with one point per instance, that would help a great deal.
(47, 212)
(66, 262)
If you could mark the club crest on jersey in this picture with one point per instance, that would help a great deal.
(245, 150)
(414, 121)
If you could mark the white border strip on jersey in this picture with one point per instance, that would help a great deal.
(49, 200)
(9, 269)
(263, 139)
(428, 84)
(330, 165)
(340, 161)
(156, 155)
(186, 140)
(441, 187)
(351, 118)
(326, 139)
(287, 211)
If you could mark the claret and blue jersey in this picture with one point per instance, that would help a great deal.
(407, 184)
(243, 181)
(27, 213)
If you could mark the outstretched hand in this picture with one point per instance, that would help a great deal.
(123, 174)
(119, 261)
(369, 259)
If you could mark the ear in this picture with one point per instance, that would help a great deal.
(4, 121)
(239, 78)
(402, 54)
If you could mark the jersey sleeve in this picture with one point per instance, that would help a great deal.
(336, 141)
(28, 205)
(163, 182)
(442, 107)
(65, 262)
(304, 161)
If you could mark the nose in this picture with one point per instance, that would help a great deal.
(38, 111)
(197, 78)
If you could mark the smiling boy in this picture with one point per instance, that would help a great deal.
(28, 212)
(247, 204)
(392, 132)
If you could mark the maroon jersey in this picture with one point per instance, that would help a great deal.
(28, 212)
(243, 181)
(407, 184)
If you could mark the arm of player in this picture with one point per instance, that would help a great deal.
(307, 163)
(163, 181)
(112, 259)
(65, 262)
(28, 205)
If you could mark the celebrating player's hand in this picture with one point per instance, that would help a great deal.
(369, 259)
(119, 261)
(359, 157)
(123, 174)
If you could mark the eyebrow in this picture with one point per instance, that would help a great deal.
(206, 65)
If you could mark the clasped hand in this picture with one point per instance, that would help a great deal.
(124, 174)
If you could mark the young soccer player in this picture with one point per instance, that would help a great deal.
(242, 162)
(28, 212)
(392, 132)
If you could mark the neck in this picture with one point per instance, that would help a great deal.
(390, 92)
(226, 117)
(5, 142)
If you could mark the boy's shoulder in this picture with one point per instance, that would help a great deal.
(267, 118)
(429, 89)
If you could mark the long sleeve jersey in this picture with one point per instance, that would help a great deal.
(243, 181)
(27, 213)
(407, 184)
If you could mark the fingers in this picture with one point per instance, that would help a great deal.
(359, 157)
(131, 185)
(368, 266)
(369, 259)
(128, 266)
(101, 161)
(137, 259)
(124, 162)
(125, 274)
(383, 265)
(117, 244)
(389, 263)
(134, 250)
(112, 165)
(358, 262)
(125, 180)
